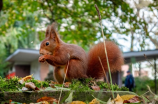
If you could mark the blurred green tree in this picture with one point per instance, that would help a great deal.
(23, 22)
(78, 20)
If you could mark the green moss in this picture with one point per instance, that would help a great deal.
(82, 84)
(76, 84)
(107, 87)
(13, 84)
(85, 85)
(9, 84)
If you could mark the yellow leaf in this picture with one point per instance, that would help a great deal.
(110, 101)
(118, 100)
(94, 101)
(25, 79)
(127, 97)
(47, 99)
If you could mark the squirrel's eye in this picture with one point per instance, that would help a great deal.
(47, 43)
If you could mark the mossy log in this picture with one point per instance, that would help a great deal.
(33, 96)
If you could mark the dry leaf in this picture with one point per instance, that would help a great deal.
(78, 102)
(25, 89)
(52, 84)
(110, 101)
(31, 85)
(94, 101)
(48, 99)
(10, 101)
(22, 80)
(135, 99)
(118, 100)
(127, 97)
(67, 84)
(96, 88)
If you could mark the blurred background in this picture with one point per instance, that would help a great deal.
(132, 24)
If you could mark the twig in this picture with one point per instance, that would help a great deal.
(105, 48)
(105, 76)
(63, 82)
(145, 93)
(42, 3)
(49, 7)
(103, 70)
(148, 60)
(150, 90)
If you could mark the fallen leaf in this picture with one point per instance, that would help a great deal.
(102, 102)
(10, 101)
(31, 85)
(22, 80)
(118, 100)
(67, 84)
(96, 88)
(52, 84)
(25, 89)
(133, 100)
(110, 101)
(94, 101)
(127, 97)
(48, 99)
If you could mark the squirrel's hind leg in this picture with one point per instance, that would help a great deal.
(76, 69)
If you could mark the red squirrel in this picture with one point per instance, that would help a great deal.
(70, 57)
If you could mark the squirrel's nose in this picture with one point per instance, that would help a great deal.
(44, 52)
(41, 52)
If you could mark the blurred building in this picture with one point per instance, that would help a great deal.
(136, 72)
(144, 57)
(25, 62)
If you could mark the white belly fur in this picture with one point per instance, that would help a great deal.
(62, 72)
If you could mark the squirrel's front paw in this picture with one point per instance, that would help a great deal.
(41, 59)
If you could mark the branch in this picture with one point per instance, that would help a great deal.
(42, 3)
(154, 41)
(153, 13)
(49, 7)
(1, 4)
(153, 26)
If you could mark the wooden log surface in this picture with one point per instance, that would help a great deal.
(33, 96)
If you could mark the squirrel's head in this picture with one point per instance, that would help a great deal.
(51, 41)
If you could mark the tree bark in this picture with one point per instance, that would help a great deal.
(1, 5)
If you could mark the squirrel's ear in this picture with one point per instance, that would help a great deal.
(54, 26)
(54, 34)
(48, 31)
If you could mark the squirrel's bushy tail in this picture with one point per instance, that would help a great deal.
(115, 59)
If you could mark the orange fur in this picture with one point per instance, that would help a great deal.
(59, 54)
(114, 57)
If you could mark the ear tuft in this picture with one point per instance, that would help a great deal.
(54, 33)
(51, 32)
(48, 31)
(54, 26)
